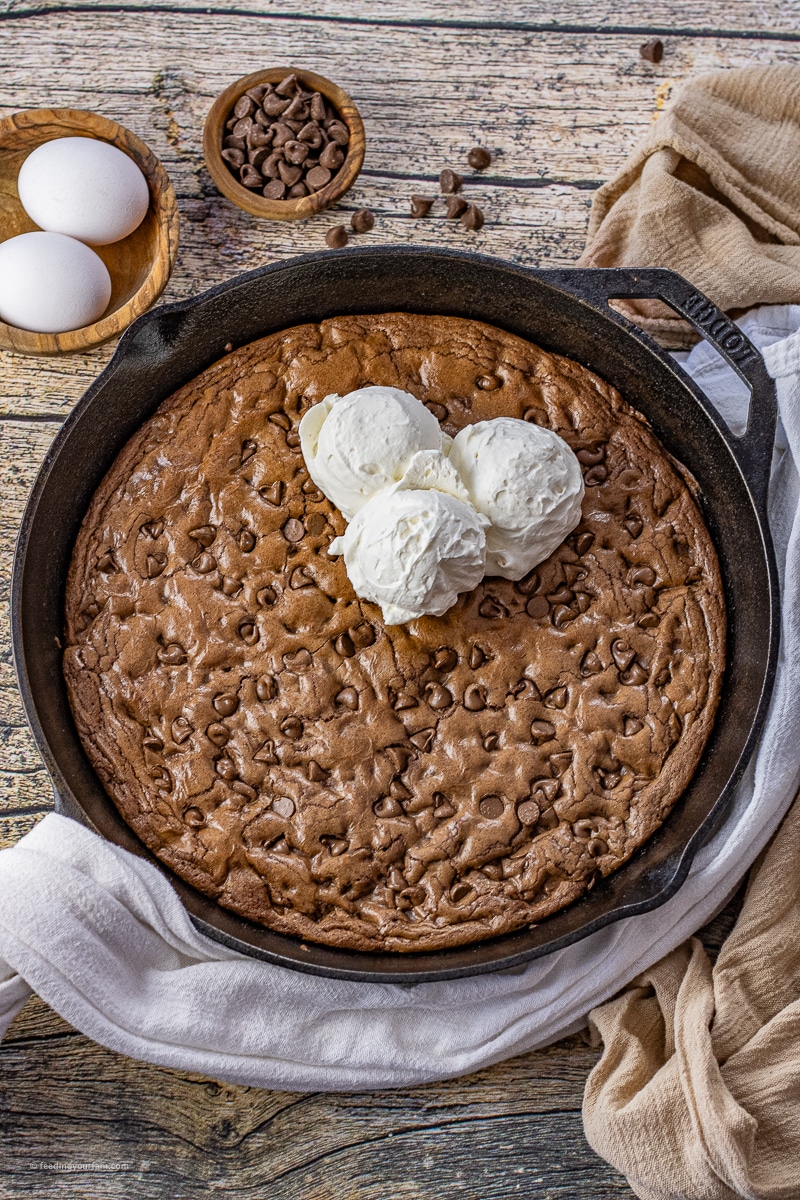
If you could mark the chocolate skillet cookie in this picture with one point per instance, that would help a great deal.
(387, 787)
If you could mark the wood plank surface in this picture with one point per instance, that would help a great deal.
(560, 95)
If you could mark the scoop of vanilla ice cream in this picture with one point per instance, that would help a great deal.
(412, 551)
(355, 444)
(527, 482)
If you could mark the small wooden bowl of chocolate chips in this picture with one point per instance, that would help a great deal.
(283, 144)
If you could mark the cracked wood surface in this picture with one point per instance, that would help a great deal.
(560, 95)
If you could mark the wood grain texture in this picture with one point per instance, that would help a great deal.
(139, 265)
(560, 95)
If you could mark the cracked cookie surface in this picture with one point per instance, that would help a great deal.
(387, 787)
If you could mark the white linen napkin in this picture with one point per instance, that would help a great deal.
(103, 938)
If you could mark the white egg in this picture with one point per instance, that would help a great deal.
(50, 283)
(84, 188)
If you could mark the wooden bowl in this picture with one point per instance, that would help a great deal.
(254, 202)
(139, 265)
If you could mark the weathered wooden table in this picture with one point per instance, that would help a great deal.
(560, 95)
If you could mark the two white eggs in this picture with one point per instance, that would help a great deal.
(80, 192)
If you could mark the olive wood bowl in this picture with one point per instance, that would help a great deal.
(253, 202)
(139, 265)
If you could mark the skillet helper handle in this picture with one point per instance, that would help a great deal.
(754, 448)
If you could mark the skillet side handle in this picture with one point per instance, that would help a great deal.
(754, 448)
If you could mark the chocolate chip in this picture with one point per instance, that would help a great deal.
(293, 530)
(404, 700)
(194, 818)
(450, 181)
(225, 767)
(635, 676)
(542, 731)
(454, 207)
(301, 577)
(652, 51)
(474, 698)
(537, 606)
(363, 635)
(288, 174)
(388, 807)
(248, 448)
(272, 493)
(477, 657)
(275, 190)
(437, 410)
(292, 727)
(488, 383)
(297, 191)
(218, 734)
(204, 534)
(316, 773)
(344, 645)
(247, 541)
(591, 456)
(472, 218)
(283, 806)
(153, 529)
(362, 220)
(266, 754)
(203, 563)
(289, 86)
(332, 158)
(152, 741)
(423, 740)
(274, 105)
(595, 476)
(298, 661)
(226, 703)
(266, 596)
(339, 133)
(336, 237)
(107, 563)
(644, 576)
(438, 696)
(597, 847)
(445, 659)
(250, 176)
(266, 687)
(295, 153)
(248, 632)
(172, 655)
(155, 565)
(182, 729)
(421, 206)
(348, 698)
(528, 812)
(491, 741)
(557, 698)
(590, 664)
(492, 608)
(317, 177)
(235, 158)
(584, 542)
(560, 762)
(491, 807)
(479, 158)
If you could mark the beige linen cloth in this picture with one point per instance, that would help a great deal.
(713, 192)
(697, 1094)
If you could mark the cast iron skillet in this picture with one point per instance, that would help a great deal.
(564, 310)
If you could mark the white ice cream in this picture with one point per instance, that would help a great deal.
(412, 551)
(528, 483)
(355, 444)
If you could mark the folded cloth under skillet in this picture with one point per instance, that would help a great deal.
(104, 939)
